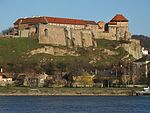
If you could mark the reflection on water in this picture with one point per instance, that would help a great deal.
(74, 104)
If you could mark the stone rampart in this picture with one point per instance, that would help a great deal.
(134, 48)
(87, 38)
(76, 37)
(51, 35)
(103, 35)
(62, 36)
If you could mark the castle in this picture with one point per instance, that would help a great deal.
(72, 32)
(77, 33)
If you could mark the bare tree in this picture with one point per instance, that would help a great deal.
(7, 31)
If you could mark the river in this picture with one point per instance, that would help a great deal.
(74, 104)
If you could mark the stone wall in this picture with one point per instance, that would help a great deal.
(87, 38)
(22, 26)
(81, 38)
(24, 33)
(103, 35)
(72, 26)
(65, 36)
(134, 48)
(28, 32)
(119, 31)
(51, 35)
(76, 37)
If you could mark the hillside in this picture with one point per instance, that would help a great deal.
(26, 54)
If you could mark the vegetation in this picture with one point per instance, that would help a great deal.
(145, 40)
(113, 46)
(13, 50)
(7, 31)
(67, 91)
(108, 44)
(14, 56)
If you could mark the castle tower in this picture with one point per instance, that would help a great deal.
(101, 25)
(118, 27)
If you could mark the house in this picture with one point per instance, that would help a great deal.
(83, 80)
(36, 80)
(145, 51)
(27, 24)
(144, 61)
(4, 81)
(41, 79)
(107, 78)
(19, 81)
(1, 77)
(56, 80)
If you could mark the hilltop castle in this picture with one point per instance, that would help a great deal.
(72, 32)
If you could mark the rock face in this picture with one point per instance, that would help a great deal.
(133, 48)
(54, 51)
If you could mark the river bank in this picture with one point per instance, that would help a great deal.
(25, 91)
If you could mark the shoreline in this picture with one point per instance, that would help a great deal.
(25, 91)
(67, 95)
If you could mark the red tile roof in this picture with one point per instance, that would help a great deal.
(119, 17)
(112, 23)
(44, 19)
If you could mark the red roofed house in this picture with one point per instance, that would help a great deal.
(27, 23)
(57, 31)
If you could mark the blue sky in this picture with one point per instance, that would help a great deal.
(137, 11)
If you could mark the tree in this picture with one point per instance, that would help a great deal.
(48, 68)
(61, 67)
(126, 79)
(7, 31)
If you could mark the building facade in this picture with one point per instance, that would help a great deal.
(72, 32)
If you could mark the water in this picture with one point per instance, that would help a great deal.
(74, 104)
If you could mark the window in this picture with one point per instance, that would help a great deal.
(36, 29)
(46, 32)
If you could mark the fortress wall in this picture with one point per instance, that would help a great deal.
(87, 38)
(103, 35)
(22, 26)
(82, 38)
(24, 33)
(134, 48)
(64, 37)
(76, 37)
(56, 35)
(92, 27)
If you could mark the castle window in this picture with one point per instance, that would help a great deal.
(36, 29)
(46, 32)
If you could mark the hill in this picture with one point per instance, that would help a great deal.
(26, 54)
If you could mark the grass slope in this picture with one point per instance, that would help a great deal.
(13, 50)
